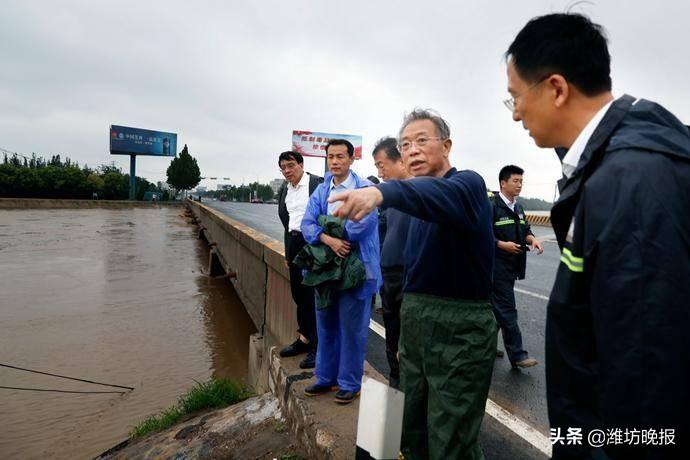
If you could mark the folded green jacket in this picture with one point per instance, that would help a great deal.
(326, 271)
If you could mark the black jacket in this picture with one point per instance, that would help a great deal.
(283, 213)
(510, 226)
(617, 329)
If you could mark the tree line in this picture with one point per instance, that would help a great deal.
(36, 177)
(243, 193)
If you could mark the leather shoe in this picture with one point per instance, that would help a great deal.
(295, 348)
(315, 390)
(346, 397)
(309, 362)
(499, 353)
(527, 362)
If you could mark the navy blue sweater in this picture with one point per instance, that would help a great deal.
(450, 243)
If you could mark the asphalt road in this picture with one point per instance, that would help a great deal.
(521, 393)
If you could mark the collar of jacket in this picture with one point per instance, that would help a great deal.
(499, 202)
(564, 209)
(359, 181)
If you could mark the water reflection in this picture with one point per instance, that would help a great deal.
(114, 296)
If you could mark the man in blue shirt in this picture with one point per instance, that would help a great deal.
(391, 167)
(343, 326)
(447, 327)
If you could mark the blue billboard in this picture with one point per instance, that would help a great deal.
(135, 141)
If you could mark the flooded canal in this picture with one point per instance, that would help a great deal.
(113, 296)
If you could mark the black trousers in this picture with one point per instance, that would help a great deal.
(391, 300)
(302, 295)
(503, 302)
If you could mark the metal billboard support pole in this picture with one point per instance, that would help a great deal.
(132, 177)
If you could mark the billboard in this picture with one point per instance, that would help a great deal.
(135, 141)
(313, 144)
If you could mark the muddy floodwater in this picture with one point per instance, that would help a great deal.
(114, 296)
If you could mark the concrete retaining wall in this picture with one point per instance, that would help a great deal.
(41, 203)
(262, 280)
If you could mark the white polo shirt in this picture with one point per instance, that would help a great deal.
(296, 201)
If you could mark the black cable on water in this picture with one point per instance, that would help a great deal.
(65, 377)
(62, 391)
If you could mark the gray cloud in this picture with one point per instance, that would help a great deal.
(234, 78)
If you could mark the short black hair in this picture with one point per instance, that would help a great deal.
(389, 145)
(348, 144)
(508, 171)
(289, 156)
(569, 44)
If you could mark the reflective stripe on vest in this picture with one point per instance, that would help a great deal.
(574, 264)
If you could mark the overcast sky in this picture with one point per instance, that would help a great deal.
(233, 79)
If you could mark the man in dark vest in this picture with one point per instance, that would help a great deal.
(617, 336)
(513, 234)
(293, 197)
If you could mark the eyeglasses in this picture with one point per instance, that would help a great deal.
(512, 101)
(420, 142)
(288, 167)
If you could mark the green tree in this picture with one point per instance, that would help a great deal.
(183, 172)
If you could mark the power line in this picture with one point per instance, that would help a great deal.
(65, 377)
(61, 391)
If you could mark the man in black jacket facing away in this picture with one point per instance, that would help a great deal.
(617, 336)
(513, 234)
(293, 197)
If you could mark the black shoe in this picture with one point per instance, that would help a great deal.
(499, 353)
(309, 362)
(295, 348)
(345, 397)
(315, 390)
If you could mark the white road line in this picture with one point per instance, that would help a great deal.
(519, 427)
(510, 421)
(533, 294)
(376, 327)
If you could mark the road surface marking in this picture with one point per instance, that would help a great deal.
(510, 421)
(533, 294)
(519, 427)
(376, 327)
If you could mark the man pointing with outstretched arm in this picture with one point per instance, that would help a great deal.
(447, 328)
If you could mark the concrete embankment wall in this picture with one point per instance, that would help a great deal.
(42, 203)
(261, 278)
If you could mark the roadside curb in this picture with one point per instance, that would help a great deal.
(325, 429)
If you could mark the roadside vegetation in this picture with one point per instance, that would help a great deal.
(214, 394)
(36, 177)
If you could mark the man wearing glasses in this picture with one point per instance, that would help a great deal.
(293, 197)
(617, 336)
(448, 330)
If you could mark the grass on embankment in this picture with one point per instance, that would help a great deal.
(213, 394)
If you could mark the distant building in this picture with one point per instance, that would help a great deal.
(223, 186)
(200, 189)
(276, 184)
